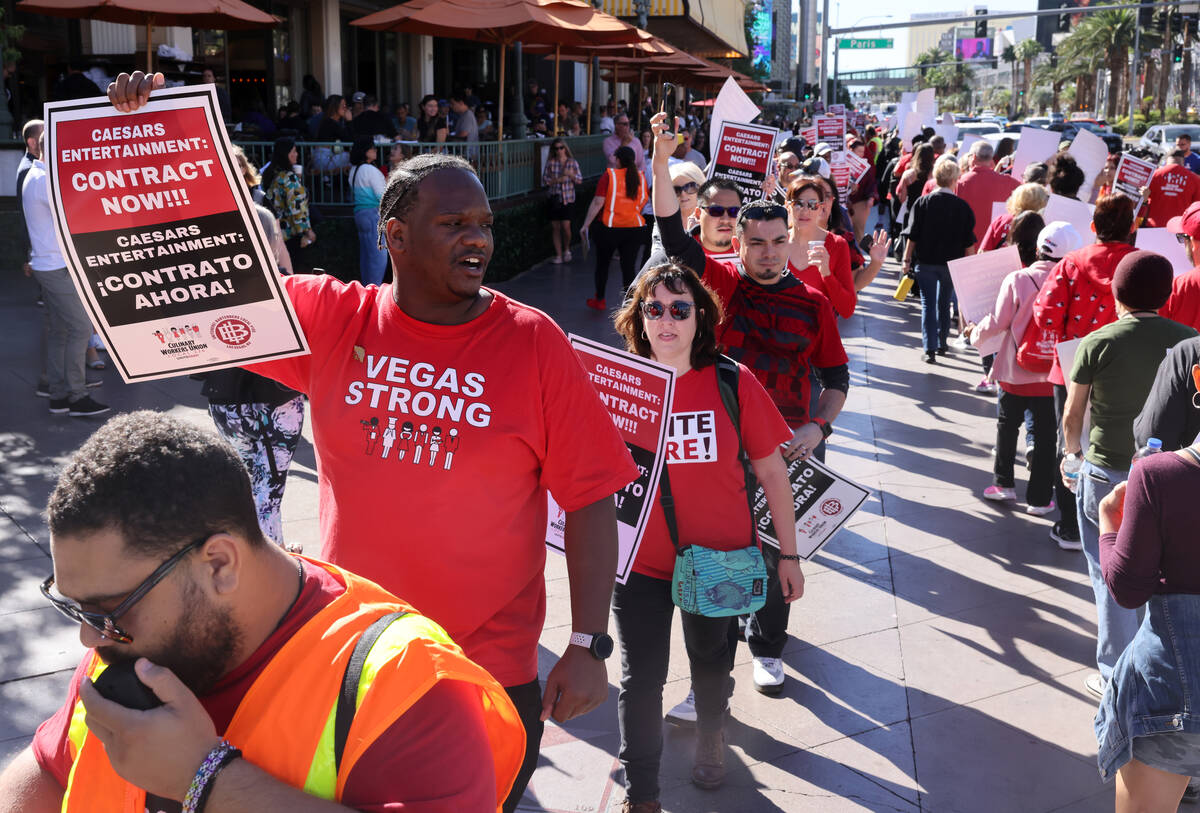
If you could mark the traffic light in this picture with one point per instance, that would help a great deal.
(981, 26)
(1177, 53)
(1064, 23)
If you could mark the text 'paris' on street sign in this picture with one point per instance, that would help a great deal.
(856, 44)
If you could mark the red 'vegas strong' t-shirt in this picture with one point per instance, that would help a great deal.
(707, 481)
(436, 445)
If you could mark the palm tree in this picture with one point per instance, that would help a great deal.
(1025, 52)
(929, 59)
(1109, 35)
(1009, 55)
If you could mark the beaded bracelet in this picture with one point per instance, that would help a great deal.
(220, 756)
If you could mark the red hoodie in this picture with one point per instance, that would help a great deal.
(1077, 297)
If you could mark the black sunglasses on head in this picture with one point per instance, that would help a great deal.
(679, 310)
(106, 623)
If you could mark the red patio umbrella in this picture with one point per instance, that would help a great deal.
(503, 22)
(228, 15)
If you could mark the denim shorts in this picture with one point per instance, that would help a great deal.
(1176, 752)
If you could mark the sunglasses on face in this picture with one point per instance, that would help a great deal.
(789, 167)
(689, 188)
(811, 205)
(106, 623)
(560, 148)
(679, 310)
(722, 211)
(1183, 239)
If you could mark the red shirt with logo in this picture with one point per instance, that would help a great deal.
(707, 481)
(436, 445)
(1172, 189)
(427, 760)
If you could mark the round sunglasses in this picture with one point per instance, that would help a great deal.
(679, 310)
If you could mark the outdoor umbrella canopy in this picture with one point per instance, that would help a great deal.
(503, 22)
(225, 15)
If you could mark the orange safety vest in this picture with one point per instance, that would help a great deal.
(285, 723)
(621, 211)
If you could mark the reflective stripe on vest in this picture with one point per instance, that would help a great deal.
(621, 211)
(292, 695)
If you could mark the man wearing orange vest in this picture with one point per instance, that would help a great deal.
(267, 681)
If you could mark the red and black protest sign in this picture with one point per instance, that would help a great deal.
(831, 130)
(743, 154)
(638, 393)
(1133, 175)
(161, 238)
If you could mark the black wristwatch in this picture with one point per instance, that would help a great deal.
(600, 644)
(825, 426)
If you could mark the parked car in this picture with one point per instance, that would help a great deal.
(1160, 138)
(978, 128)
(1037, 121)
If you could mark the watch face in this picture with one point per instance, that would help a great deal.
(602, 646)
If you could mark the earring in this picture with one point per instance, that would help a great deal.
(1195, 395)
(647, 338)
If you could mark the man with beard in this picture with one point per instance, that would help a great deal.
(466, 544)
(780, 329)
(159, 557)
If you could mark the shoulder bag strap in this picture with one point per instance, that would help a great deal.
(727, 383)
(347, 703)
(1192, 453)
(668, 506)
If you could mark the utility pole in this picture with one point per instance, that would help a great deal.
(825, 53)
(1133, 64)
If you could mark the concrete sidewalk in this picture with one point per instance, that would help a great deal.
(938, 654)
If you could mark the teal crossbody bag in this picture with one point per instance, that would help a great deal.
(709, 582)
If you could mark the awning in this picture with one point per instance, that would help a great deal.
(714, 29)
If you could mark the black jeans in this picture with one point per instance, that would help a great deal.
(643, 610)
(1010, 414)
(766, 629)
(528, 699)
(626, 243)
(1063, 495)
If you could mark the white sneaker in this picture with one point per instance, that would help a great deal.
(684, 714)
(768, 675)
(1095, 685)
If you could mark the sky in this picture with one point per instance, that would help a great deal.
(850, 12)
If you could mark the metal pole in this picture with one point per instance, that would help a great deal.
(825, 53)
(1133, 62)
(837, 52)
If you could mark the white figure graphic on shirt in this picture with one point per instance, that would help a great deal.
(406, 441)
(389, 438)
(421, 439)
(451, 448)
(435, 443)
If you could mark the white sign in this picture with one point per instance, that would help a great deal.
(1075, 212)
(977, 280)
(911, 127)
(1035, 145)
(968, 140)
(999, 207)
(948, 132)
(925, 105)
(823, 502)
(1163, 242)
(732, 104)
(1091, 153)
(1066, 360)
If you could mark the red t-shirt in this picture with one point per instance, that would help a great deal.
(432, 755)
(838, 287)
(709, 487)
(436, 445)
(1172, 189)
(1184, 304)
(980, 188)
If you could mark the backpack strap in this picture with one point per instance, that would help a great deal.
(347, 703)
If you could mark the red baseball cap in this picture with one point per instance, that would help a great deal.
(1187, 223)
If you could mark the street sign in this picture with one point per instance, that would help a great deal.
(856, 44)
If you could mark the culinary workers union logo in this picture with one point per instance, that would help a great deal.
(233, 331)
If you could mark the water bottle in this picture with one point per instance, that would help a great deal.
(1071, 465)
(1153, 446)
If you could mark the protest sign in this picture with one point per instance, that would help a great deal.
(743, 154)
(857, 166)
(638, 393)
(967, 141)
(948, 132)
(837, 110)
(1034, 144)
(732, 104)
(809, 134)
(823, 502)
(977, 280)
(1091, 154)
(925, 105)
(1163, 242)
(1132, 175)
(1066, 352)
(839, 171)
(999, 207)
(1075, 212)
(831, 130)
(910, 127)
(161, 238)
(907, 101)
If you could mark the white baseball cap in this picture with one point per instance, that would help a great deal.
(1058, 239)
(816, 166)
(822, 149)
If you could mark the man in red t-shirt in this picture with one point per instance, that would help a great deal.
(1173, 188)
(983, 186)
(781, 330)
(1184, 303)
(221, 613)
(463, 537)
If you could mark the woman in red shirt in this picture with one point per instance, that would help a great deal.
(819, 258)
(671, 317)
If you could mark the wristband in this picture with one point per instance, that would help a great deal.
(789, 557)
(198, 792)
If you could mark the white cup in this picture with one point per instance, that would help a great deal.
(298, 169)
